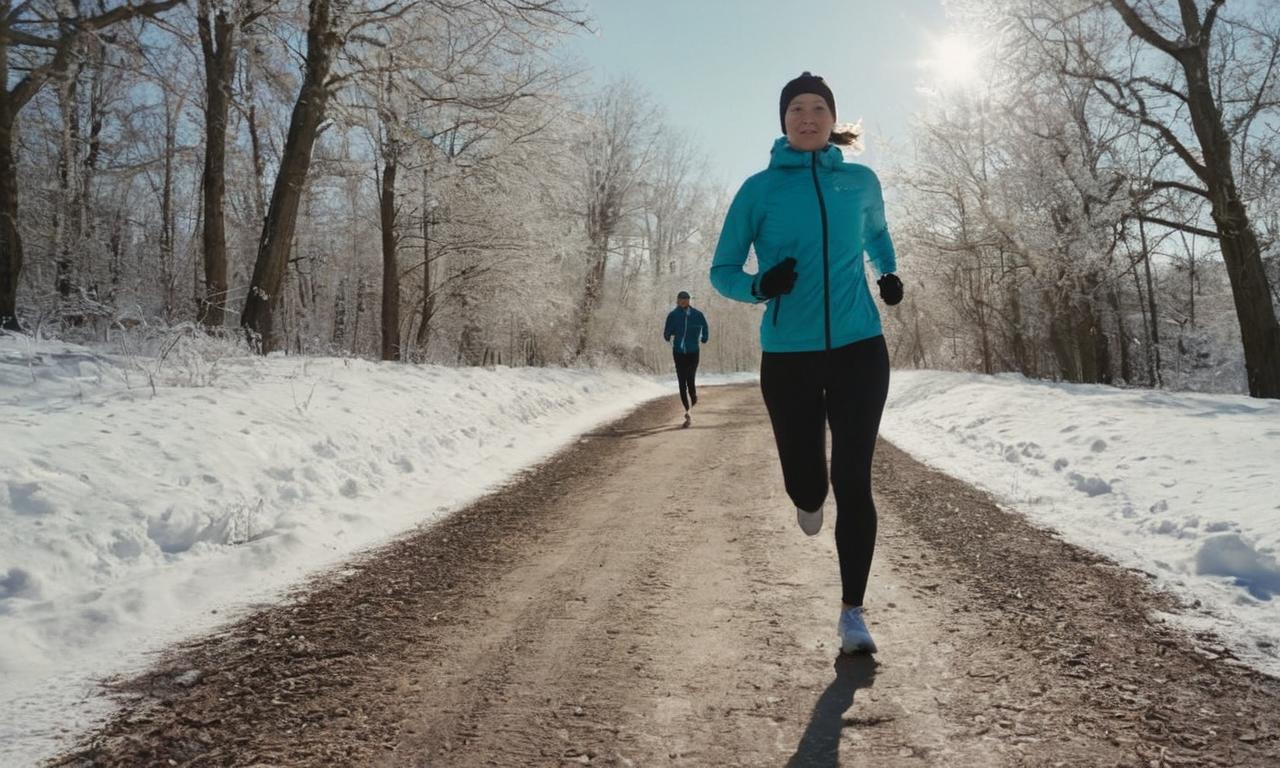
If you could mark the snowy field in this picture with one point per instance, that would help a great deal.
(1185, 487)
(133, 517)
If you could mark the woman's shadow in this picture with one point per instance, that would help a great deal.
(820, 744)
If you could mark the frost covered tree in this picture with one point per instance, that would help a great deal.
(616, 141)
(1200, 77)
(328, 25)
(341, 40)
(402, 180)
(1047, 201)
(40, 42)
(1015, 205)
(218, 23)
(458, 86)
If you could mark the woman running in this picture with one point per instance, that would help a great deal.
(810, 217)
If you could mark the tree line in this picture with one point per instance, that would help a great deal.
(412, 180)
(1118, 160)
(433, 181)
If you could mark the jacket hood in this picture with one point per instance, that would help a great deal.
(783, 156)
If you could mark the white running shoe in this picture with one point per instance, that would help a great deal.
(854, 636)
(810, 522)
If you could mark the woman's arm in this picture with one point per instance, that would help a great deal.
(879, 244)
(736, 236)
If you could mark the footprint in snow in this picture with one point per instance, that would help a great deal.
(1092, 486)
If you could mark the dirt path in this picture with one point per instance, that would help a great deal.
(645, 598)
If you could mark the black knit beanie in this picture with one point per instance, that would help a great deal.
(805, 83)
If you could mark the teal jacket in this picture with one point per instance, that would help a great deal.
(684, 329)
(826, 213)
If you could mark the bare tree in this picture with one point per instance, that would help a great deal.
(331, 27)
(31, 52)
(1219, 96)
(668, 202)
(217, 22)
(389, 148)
(324, 40)
(618, 141)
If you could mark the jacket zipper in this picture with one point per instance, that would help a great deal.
(684, 335)
(826, 265)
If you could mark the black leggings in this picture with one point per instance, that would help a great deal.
(686, 370)
(848, 387)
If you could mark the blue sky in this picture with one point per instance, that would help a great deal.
(716, 66)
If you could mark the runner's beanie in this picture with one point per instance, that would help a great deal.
(805, 83)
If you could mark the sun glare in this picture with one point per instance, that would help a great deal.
(952, 61)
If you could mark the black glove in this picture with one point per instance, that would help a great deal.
(890, 289)
(780, 279)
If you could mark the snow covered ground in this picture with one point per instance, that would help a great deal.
(1185, 487)
(133, 517)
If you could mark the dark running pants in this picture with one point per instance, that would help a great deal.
(686, 370)
(846, 388)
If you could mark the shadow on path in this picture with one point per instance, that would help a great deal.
(820, 744)
(636, 434)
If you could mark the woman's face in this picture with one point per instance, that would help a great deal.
(809, 122)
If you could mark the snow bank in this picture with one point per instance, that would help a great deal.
(1229, 555)
(131, 517)
(1183, 486)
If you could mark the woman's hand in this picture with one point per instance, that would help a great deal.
(890, 289)
(778, 280)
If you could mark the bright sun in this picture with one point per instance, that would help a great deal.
(953, 60)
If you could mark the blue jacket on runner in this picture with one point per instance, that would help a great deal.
(825, 213)
(684, 329)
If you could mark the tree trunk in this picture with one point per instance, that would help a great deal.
(1060, 335)
(168, 223)
(282, 215)
(591, 294)
(340, 314)
(1018, 339)
(10, 240)
(1092, 343)
(1191, 287)
(1085, 349)
(1122, 332)
(917, 353)
(1157, 374)
(249, 78)
(355, 322)
(471, 342)
(390, 264)
(1146, 329)
(93, 151)
(216, 40)
(1102, 350)
(653, 238)
(65, 232)
(984, 330)
(428, 297)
